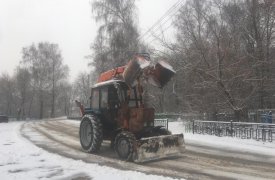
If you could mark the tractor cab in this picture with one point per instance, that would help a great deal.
(120, 106)
(108, 95)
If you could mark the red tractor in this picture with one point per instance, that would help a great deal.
(117, 113)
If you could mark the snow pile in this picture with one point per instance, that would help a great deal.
(19, 159)
(225, 143)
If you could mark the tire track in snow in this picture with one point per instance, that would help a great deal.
(191, 165)
(47, 140)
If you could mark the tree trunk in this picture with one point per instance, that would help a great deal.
(53, 90)
(53, 105)
(30, 106)
(241, 115)
(41, 109)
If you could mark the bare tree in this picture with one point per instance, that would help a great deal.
(259, 28)
(65, 98)
(81, 88)
(7, 95)
(23, 79)
(57, 74)
(222, 55)
(44, 62)
(117, 35)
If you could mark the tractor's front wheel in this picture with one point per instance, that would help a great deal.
(125, 145)
(90, 133)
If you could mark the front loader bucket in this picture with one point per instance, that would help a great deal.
(134, 70)
(161, 74)
(159, 147)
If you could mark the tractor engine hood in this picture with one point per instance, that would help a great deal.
(140, 68)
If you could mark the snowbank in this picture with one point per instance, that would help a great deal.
(225, 143)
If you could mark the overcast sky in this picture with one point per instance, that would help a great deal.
(68, 23)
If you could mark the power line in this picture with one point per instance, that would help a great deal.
(159, 27)
(167, 13)
(160, 33)
(161, 19)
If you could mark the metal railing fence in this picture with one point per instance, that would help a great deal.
(161, 122)
(257, 131)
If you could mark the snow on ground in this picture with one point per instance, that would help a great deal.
(20, 159)
(73, 122)
(226, 143)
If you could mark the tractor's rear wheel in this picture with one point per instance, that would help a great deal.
(90, 133)
(125, 145)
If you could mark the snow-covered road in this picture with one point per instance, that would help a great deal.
(20, 159)
(206, 157)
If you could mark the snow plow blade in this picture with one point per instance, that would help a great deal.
(159, 147)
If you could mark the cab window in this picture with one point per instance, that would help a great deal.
(113, 97)
(95, 99)
(104, 98)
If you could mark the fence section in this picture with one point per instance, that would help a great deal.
(161, 122)
(257, 131)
